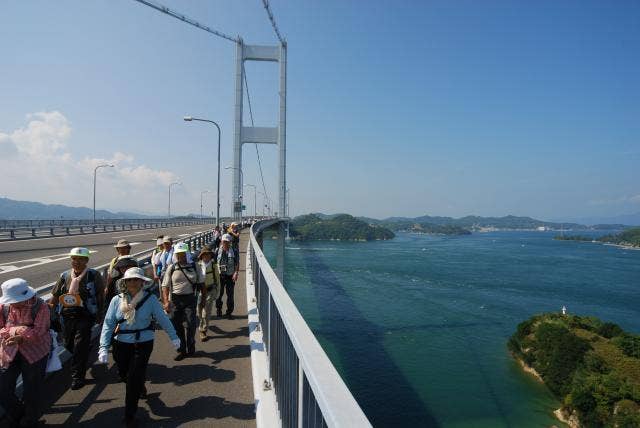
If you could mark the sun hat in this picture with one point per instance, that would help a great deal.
(123, 243)
(227, 237)
(159, 241)
(16, 290)
(203, 251)
(167, 239)
(137, 273)
(181, 248)
(79, 252)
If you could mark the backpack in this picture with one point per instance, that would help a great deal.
(172, 269)
(136, 331)
(34, 312)
(91, 302)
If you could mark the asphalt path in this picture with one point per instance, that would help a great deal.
(40, 261)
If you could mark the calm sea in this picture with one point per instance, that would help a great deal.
(417, 326)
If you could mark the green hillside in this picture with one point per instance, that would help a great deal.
(342, 227)
(592, 366)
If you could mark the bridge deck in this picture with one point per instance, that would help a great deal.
(213, 388)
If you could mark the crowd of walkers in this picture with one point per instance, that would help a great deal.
(177, 296)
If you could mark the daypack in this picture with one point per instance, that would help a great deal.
(137, 331)
(53, 361)
(91, 302)
(172, 269)
(34, 312)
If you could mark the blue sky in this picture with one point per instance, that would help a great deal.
(394, 108)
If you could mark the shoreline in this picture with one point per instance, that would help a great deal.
(572, 421)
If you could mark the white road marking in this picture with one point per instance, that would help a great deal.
(11, 266)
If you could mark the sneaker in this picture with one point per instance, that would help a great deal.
(179, 357)
(203, 336)
(219, 312)
(229, 316)
(77, 384)
(190, 353)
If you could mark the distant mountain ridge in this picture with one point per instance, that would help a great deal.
(24, 210)
(473, 222)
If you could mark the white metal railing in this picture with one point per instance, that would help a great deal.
(308, 390)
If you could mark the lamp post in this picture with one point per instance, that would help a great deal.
(241, 185)
(95, 172)
(189, 119)
(202, 193)
(175, 183)
(254, 198)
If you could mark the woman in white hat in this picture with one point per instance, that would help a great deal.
(25, 344)
(129, 322)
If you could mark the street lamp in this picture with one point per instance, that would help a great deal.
(189, 119)
(95, 171)
(175, 183)
(202, 193)
(241, 185)
(254, 198)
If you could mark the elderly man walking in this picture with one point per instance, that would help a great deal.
(228, 267)
(79, 295)
(179, 286)
(25, 344)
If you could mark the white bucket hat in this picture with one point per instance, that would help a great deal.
(135, 272)
(16, 290)
(227, 237)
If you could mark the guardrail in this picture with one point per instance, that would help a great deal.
(309, 392)
(80, 227)
(144, 260)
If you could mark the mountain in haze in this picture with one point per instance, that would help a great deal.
(25, 210)
(628, 219)
(472, 222)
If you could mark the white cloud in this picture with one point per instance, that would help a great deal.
(38, 164)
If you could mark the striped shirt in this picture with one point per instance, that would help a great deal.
(37, 341)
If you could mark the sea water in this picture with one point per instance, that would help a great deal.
(417, 326)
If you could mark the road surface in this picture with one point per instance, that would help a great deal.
(40, 261)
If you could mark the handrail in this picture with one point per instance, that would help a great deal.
(307, 381)
(86, 227)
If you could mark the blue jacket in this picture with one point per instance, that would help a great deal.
(150, 309)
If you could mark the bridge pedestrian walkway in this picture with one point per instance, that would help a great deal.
(212, 388)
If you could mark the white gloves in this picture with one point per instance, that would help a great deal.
(103, 356)
(176, 343)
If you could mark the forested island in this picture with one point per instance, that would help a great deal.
(338, 227)
(626, 238)
(591, 366)
(430, 228)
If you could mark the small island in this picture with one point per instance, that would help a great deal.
(629, 238)
(341, 227)
(427, 228)
(591, 366)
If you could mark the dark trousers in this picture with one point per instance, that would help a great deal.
(226, 282)
(184, 311)
(77, 340)
(32, 383)
(132, 360)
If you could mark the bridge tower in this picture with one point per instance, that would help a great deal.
(261, 135)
